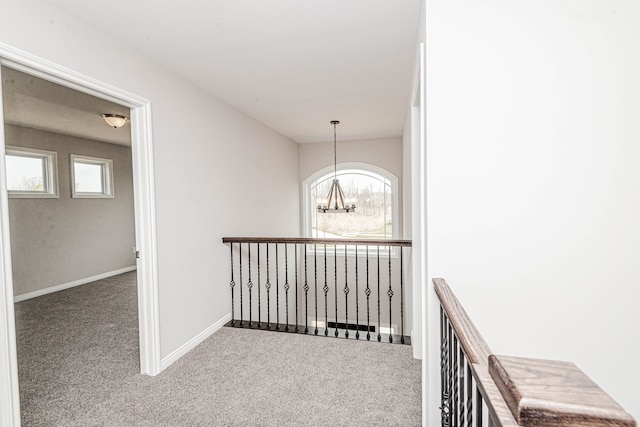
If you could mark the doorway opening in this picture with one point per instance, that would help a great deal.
(144, 219)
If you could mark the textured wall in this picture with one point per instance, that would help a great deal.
(55, 241)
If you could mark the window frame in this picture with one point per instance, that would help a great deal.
(307, 204)
(107, 177)
(50, 173)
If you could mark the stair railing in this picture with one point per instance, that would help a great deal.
(345, 288)
(480, 389)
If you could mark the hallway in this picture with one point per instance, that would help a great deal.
(78, 366)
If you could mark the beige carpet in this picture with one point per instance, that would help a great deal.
(78, 366)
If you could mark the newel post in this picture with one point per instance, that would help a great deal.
(545, 393)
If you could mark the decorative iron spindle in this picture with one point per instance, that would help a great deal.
(454, 366)
(232, 284)
(295, 264)
(259, 299)
(367, 292)
(306, 294)
(315, 277)
(335, 284)
(326, 290)
(469, 396)
(267, 286)
(357, 308)
(461, 366)
(378, 261)
(249, 286)
(346, 297)
(241, 282)
(286, 285)
(450, 368)
(444, 369)
(277, 291)
(401, 298)
(478, 405)
(390, 295)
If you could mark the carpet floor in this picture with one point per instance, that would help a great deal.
(78, 366)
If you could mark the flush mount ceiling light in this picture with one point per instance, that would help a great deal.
(335, 199)
(115, 120)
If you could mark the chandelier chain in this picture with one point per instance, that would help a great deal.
(335, 153)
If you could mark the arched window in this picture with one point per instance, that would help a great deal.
(372, 189)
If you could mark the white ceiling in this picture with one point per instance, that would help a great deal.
(294, 65)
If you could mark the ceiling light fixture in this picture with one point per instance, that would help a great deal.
(115, 120)
(335, 199)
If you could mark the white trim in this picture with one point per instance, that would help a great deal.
(145, 220)
(73, 284)
(144, 204)
(193, 342)
(10, 401)
(107, 177)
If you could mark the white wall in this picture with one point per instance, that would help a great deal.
(218, 172)
(533, 177)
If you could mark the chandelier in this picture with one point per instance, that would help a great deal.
(336, 201)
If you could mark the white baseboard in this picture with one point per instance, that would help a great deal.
(193, 342)
(68, 285)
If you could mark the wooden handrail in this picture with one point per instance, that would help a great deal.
(475, 347)
(314, 241)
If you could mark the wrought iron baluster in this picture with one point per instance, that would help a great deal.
(479, 416)
(306, 294)
(454, 366)
(378, 260)
(450, 367)
(267, 285)
(315, 274)
(367, 292)
(241, 282)
(390, 295)
(249, 286)
(346, 296)
(335, 284)
(461, 363)
(401, 297)
(357, 308)
(277, 291)
(295, 256)
(259, 299)
(444, 372)
(232, 284)
(286, 284)
(326, 290)
(469, 396)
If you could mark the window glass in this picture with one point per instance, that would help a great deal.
(372, 195)
(91, 177)
(25, 173)
(31, 172)
(88, 177)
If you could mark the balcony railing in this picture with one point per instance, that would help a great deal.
(345, 288)
(480, 389)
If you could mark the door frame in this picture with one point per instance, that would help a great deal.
(145, 224)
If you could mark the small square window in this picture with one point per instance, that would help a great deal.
(91, 177)
(31, 173)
